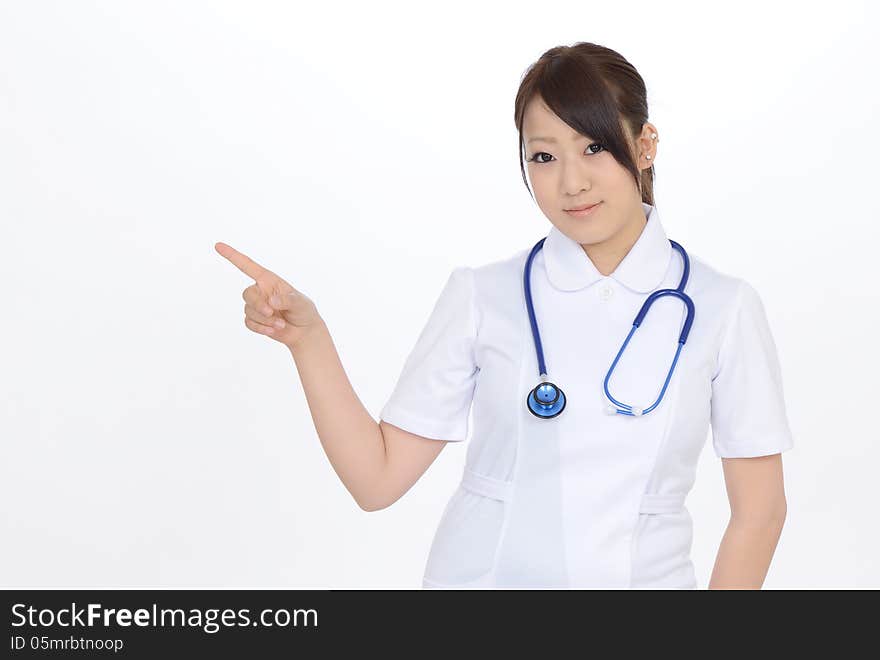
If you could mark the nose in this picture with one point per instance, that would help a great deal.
(576, 179)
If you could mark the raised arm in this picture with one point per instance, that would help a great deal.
(376, 463)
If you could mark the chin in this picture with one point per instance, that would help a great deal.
(584, 234)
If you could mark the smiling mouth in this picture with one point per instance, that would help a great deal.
(582, 208)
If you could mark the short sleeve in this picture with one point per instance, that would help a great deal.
(433, 395)
(748, 405)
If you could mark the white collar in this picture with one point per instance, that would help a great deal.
(642, 269)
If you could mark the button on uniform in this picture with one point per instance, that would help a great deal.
(605, 291)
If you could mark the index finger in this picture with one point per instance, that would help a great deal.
(244, 263)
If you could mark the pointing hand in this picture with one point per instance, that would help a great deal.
(272, 306)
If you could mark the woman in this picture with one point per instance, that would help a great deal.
(566, 485)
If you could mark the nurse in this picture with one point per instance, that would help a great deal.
(593, 496)
(580, 455)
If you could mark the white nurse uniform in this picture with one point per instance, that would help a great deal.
(585, 499)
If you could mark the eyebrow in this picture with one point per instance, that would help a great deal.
(576, 137)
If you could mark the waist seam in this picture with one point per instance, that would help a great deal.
(499, 489)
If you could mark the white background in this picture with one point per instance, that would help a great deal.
(362, 151)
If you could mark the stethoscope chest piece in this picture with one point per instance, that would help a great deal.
(546, 400)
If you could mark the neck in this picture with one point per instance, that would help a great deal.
(607, 255)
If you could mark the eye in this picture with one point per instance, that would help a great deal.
(534, 158)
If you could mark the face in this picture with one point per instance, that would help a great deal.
(572, 170)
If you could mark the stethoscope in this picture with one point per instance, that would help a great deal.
(547, 400)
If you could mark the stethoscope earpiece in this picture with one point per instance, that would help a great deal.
(546, 400)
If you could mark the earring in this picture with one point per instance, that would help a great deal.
(653, 137)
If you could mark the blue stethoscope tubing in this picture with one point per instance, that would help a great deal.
(547, 400)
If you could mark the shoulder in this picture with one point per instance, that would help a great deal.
(495, 278)
(493, 288)
(501, 271)
(728, 302)
(708, 280)
(715, 288)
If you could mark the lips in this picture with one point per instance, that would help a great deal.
(581, 208)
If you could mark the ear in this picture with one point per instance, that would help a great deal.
(646, 146)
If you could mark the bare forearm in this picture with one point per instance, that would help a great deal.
(350, 436)
(744, 554)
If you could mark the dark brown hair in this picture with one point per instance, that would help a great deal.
(597, 92)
